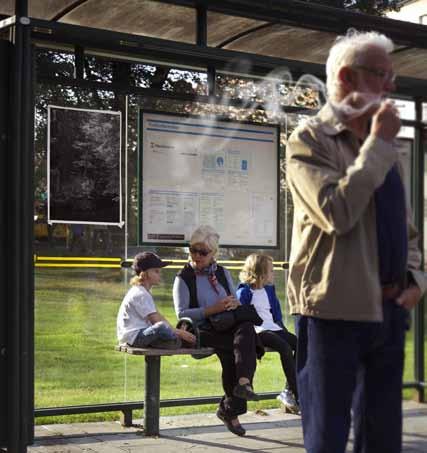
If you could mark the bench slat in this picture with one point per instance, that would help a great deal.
(164, 352)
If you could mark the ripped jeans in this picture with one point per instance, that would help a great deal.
(159, 335)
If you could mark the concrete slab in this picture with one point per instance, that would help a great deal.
(270, 431)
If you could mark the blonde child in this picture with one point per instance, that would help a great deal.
(257, 288)
(139, 324)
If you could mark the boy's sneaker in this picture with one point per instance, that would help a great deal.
(287, 398)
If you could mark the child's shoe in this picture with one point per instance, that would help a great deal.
(245, 391)
(287, 398)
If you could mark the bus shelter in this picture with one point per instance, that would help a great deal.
(108, 64)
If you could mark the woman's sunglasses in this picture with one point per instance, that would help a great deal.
(201, 252)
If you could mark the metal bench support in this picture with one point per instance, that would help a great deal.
(152, 383)
(126, 417)
(152, 395)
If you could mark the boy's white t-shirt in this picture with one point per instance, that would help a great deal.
(132, 317)
(262, 306)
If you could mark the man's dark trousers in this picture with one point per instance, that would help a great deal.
(330, 354)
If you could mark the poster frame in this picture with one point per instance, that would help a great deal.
(220, 119)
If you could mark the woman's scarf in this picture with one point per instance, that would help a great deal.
(209, 271)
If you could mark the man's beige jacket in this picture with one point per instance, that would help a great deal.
(333, 271)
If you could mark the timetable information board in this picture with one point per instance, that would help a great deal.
(202, 171)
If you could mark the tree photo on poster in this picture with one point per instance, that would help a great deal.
(202, 170)
(84, 166)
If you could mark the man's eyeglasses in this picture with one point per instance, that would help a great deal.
(385, 76)
(201, 252)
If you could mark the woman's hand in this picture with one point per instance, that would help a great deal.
(228, 303)
(222, 304)
(186, 336)
(232, 303)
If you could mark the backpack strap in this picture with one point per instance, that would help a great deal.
(189, 276)
(222, 279)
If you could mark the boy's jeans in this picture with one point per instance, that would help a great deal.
(159, 335)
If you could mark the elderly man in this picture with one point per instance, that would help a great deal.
(354, 265)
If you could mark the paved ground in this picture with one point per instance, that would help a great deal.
(272, 431)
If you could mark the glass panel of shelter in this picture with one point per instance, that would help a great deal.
(90, 296)
(76, 305)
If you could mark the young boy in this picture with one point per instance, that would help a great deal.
(139, 324)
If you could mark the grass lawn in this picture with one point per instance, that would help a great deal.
(75, 361)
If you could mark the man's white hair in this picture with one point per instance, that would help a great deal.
(349, 50)
(205, 234)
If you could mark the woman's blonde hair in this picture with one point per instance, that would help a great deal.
(205, 234)
(138, 280)
(255, 269)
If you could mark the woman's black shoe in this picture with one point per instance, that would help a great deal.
(237, 430)
(245, 391)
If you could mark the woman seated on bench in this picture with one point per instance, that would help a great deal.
(201, 289)
(139, 323)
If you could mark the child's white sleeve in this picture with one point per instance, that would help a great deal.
(145, 305)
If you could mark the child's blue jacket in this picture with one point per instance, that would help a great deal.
(244, 294)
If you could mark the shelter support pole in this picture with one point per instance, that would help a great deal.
(202, 41)
(419, 196)
(5, 73)
(202, 26)
(211, 81)
(79, 66)
(19, 236)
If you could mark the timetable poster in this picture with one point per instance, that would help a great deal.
(202, 171)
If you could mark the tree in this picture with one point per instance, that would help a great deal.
(374, 7)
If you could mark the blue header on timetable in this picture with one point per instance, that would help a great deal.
(210, 130)
(184, 123)
(230, 137)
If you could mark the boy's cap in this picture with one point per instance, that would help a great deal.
(147, 260)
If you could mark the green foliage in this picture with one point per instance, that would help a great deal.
(374, 7)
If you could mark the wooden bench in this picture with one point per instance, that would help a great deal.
(152, 382)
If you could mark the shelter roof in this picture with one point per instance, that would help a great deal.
(282, 29)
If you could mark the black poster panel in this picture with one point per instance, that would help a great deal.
(84, 166)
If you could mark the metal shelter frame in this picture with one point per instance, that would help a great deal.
(22, 33)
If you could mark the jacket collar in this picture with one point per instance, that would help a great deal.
(328, 121)
(243, 285)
